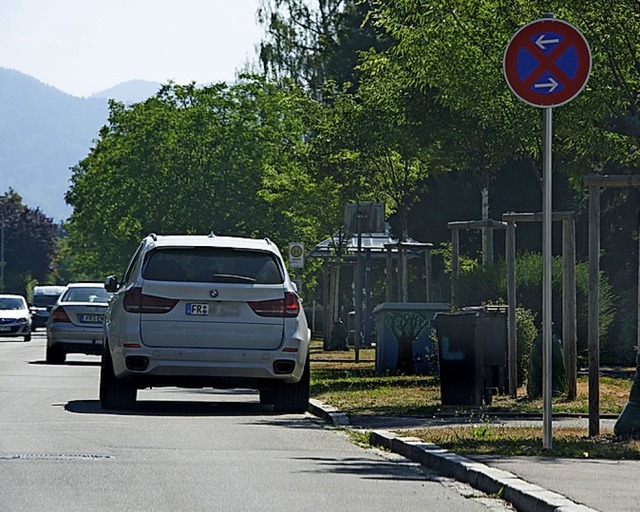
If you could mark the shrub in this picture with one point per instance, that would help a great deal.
(526, 333)
(490, 284)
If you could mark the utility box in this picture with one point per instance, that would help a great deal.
(461, 357)
(404, 344)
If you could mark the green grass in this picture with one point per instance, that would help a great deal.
(354, 388)
(488, 439)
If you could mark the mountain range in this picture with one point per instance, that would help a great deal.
(44, 132)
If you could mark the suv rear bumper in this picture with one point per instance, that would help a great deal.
(167, 366)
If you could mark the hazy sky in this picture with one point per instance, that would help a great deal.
(87, 46)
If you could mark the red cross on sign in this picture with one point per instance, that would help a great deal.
(547, 63)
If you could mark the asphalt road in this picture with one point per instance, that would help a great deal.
(190, 450)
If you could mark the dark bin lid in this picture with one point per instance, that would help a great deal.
(464, 318)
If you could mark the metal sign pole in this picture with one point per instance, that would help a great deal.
(546, 285)
(546, 64)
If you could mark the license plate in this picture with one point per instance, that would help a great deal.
(5, 329)
(198, 309)
(91, 319)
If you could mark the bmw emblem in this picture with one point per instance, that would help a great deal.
(213, 293)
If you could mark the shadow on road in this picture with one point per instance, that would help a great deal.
(174, 408)
(67, 363)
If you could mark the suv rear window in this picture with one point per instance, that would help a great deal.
(212, 265)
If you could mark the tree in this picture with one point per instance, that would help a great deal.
(457, 48)
(29, 244)
(315, 42)
(187, 160)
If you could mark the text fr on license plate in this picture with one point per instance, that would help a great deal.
(92, 319)
(198, 309)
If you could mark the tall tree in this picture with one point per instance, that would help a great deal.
(457, 46)
(28, 243)
(312, 42)
(187, 160)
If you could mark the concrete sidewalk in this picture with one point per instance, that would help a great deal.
(531, 484)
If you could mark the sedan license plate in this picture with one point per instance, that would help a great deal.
(198, 309)
(5, 328)
(91, 319)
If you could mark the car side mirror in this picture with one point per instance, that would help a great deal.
(111, 284)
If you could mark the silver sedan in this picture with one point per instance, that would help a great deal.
(75, 322)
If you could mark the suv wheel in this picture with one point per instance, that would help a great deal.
(293, 398)
(114, 393)
(54, 355)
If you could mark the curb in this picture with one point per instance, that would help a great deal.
(524, 496)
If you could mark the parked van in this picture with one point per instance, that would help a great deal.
(44, 297)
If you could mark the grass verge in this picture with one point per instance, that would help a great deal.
(354, 388)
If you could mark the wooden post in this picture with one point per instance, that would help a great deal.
(487, 232)
(404, 295)
(388, 282)
(512, 363)
(569, 322)
(455, 254)
(427, 274)
(326, 318)
(594, 308)
(398, 275)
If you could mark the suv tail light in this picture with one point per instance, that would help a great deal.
(59, 315)
(289, 306)
(137, 302)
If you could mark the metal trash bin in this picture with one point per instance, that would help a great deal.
(494, 336)
(461, 357)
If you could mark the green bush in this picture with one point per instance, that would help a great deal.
(490, 284)
(526, 333)
(559, 384)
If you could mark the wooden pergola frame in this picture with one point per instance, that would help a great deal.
(569, 313)
(595, 183)
(569, 330)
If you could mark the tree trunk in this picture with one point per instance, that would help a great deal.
(486, 238)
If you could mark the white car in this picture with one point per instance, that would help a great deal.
(205, 311)
(15, 316)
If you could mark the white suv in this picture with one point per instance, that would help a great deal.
(205, 311)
